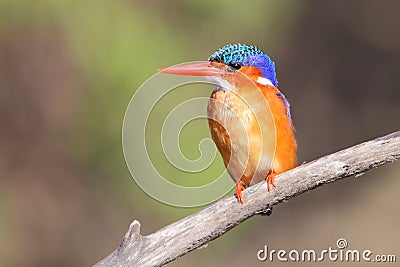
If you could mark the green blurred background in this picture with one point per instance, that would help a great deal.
(69, 68)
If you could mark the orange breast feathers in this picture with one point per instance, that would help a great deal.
(251, 129)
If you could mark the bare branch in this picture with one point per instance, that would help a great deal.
(191, 232)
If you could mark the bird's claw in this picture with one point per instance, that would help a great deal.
(271, 180)
(239, 189)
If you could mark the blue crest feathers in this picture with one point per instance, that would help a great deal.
(246, 55)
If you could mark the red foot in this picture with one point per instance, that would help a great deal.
(270, 179)
(239, 189)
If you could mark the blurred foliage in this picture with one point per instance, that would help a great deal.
(69, 68)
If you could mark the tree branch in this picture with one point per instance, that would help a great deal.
(191, 232)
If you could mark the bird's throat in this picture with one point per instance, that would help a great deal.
(221, 84)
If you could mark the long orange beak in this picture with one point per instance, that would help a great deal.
(194, 69)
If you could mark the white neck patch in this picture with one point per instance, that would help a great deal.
(264, 81)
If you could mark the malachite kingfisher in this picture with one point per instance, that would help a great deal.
(256, 143)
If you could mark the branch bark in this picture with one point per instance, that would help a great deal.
(191, 232)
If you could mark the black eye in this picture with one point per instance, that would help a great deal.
(235, 65)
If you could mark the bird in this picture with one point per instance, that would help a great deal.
(248, 116)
